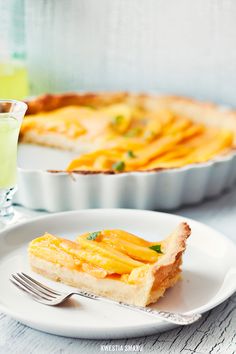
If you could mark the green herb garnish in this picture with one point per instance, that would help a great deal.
(90, 106)
(93, 235)
(133, 132)
(119, 166)
(156, 248)
(117, 120)
(130, 154)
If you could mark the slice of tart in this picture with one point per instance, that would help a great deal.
(112, 263)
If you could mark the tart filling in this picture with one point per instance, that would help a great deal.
(112, 263)
(130, 132)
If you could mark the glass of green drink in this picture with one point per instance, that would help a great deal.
(11, 116)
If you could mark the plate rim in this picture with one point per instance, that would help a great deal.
(107, 332)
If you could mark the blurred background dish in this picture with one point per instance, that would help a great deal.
(135, 46)
(44, 168)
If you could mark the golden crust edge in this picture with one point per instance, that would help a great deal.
(203, 110)
(48, 102)
(175, 245)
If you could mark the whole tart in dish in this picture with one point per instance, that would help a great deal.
(117, 132)
(112, 263)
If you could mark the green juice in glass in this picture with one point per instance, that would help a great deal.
(9, 130)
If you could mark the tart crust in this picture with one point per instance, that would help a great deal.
(162, 275)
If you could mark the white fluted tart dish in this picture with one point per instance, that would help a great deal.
(124, 150)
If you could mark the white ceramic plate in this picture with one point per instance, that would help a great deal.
(209, 274)
(160, 190)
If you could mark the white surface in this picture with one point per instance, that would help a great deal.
(162, 190)
(185, 47)
(200, 290)
(32, 157)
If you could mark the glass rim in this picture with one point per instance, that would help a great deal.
(22, 106)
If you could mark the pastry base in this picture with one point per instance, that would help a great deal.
(117, 290)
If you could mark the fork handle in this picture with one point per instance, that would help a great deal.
(171, 317)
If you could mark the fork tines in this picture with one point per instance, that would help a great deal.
(34, 288)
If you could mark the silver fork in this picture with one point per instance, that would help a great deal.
(48, 296)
